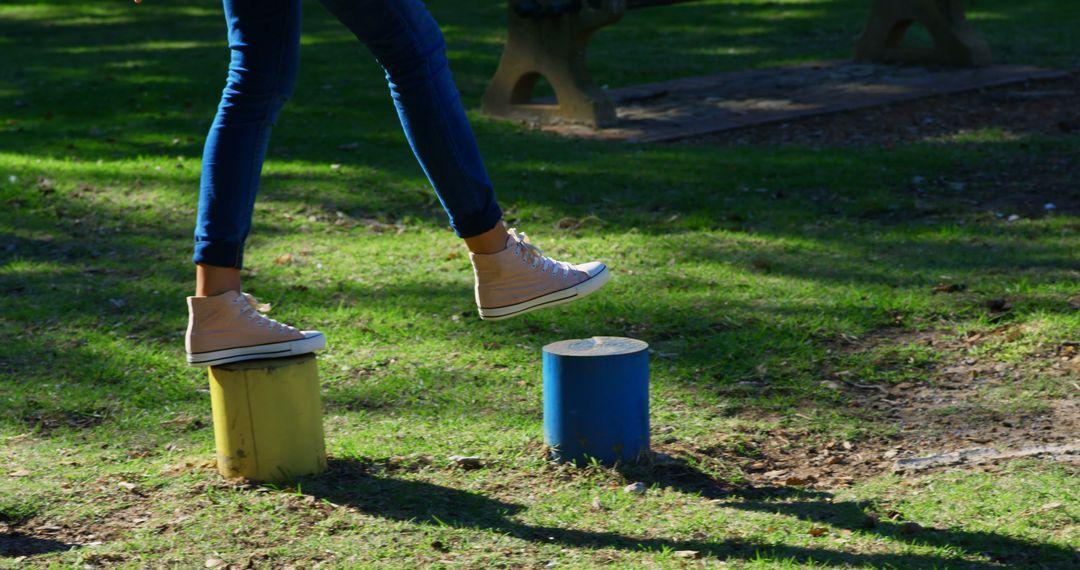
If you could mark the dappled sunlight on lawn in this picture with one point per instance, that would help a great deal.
(814, 311)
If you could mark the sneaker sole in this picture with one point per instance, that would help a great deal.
(276, 350)
(551, 299)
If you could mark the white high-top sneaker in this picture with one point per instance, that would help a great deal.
(229, 328)
(520, 279)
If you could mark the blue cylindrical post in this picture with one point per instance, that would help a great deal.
(596, 399)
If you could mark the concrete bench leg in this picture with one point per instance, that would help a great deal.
(955, 42)
(553, 48)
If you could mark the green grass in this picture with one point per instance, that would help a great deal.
(745, 268)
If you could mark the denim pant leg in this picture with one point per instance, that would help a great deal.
(264, 39)
(409, 45)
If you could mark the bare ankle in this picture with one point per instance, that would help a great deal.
(491, 241)
(211, 280)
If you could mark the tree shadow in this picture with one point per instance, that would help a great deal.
(133, 299)
(817, 506)
(350, 482)
(136, 96)
(143, 112)
(14, 544)
(124, 257)
(854, 516)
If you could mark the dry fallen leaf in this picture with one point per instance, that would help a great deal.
(950, 288)
(1050, 506)
(466, 461)
(796, 482)
(910, 528)
(567, 224)
(283, 258)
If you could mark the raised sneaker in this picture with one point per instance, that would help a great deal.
(230, 327)
(520, 279)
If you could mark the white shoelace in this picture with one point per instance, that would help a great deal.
(254, 311)
(532, 255)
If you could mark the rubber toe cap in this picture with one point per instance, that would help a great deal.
(593, 268)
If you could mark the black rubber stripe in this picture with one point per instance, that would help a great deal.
(235, 355)
(258, 345)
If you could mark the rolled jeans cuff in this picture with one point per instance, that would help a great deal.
(478, 223)
(219, 254)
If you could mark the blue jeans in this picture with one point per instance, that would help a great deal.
(264, 38)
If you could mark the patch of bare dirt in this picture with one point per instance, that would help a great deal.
(949, 410)
(1044, 107)
(1027, 184)
(126, 505)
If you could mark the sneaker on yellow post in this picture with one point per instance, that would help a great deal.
(229, 328)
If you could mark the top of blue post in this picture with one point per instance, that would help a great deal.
(596, 346)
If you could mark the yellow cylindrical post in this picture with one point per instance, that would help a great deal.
(268, 418)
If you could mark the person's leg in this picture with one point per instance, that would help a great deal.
(409, 45)
(224, 325)
(512, 276)
(264, 41)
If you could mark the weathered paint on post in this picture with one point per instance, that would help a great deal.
(596, 399)
(268, 418)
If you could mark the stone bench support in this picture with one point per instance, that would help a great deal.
(547, 38)
(955, 41)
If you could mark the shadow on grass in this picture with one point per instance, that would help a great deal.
(70, 367)
(853, 516)
(191, 36)
(348, 482)
(16, 544)
(85, 265)
(125, 81)
(856, 516)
